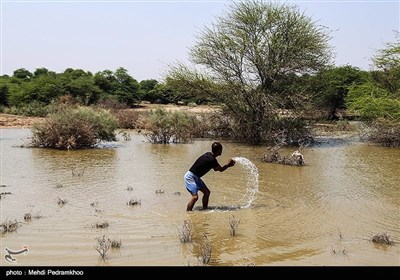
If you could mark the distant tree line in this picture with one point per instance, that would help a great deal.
(29, 93)
(267, 65)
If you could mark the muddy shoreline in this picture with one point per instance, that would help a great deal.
(17, 121)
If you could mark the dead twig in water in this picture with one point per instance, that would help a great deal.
(102, 246)
(234, 223)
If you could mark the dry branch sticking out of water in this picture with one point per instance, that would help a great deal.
(273, 155)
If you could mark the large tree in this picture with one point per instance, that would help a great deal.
(246, 52)
(387, 60)
(380, 99)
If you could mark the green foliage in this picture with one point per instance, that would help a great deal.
(372, 102)
(40, 72)
(387, 60)
(83, 90)
(389, 57)
(75, 128)
(330, 87)
(178, 92)
(146, 86)
(170, 127)
(34, 109)
(4, 92)
(118, 84)
(151, 90)
(245, 53)
(22, 73)
(44, 87)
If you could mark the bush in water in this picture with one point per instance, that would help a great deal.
(75, 128)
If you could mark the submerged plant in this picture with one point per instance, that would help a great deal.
(28, 216)
(133, 202)
(185, 233)
(206, 250)
(102, 246)
(160, 191)
(382, 239)
(10, 226)
(116, 243)
(61, 202)
(103, 224)
(339, 251)
(234, 223)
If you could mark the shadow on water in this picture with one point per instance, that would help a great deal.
(219, 208)
(332, 142)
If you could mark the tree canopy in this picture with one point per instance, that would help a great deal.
(245, 53)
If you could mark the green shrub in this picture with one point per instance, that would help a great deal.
(372, 102)
(165, 127)
(33, 109)
(75, 128)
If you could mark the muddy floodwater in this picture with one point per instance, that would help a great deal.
(322, 214)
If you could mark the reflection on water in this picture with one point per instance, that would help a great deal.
(324, 213)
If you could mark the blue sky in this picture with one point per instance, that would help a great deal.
(145, 37)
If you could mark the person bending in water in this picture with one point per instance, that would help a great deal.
(200, 167)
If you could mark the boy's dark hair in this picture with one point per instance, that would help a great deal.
(215, 147)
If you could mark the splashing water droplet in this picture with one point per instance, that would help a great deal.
(252, 180)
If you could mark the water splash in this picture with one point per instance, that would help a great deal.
(252, 180)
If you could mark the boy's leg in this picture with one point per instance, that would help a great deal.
(206, 194)
(192, 201)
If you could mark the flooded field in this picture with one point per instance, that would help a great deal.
(322, 214)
